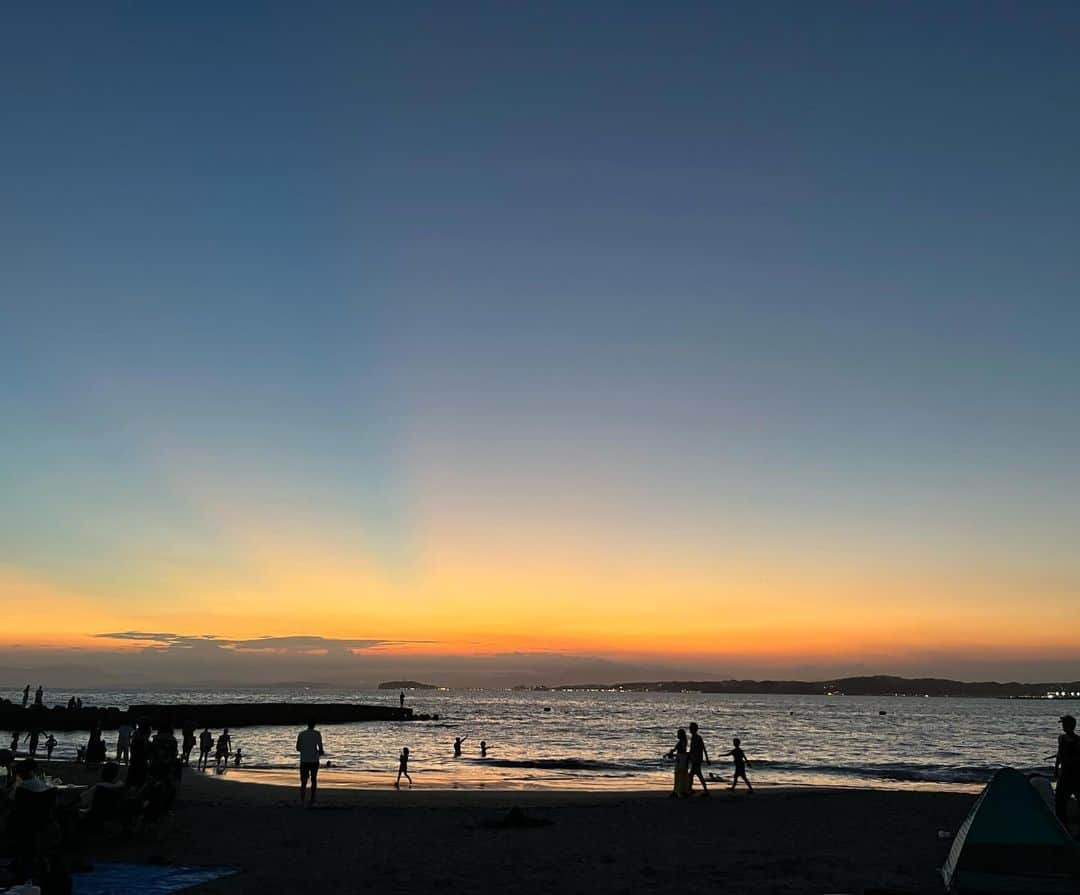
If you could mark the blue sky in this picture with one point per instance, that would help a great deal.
(785, 276)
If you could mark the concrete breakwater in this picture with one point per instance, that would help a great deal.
(216, 715)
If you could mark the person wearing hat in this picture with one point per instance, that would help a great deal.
(1067, 768)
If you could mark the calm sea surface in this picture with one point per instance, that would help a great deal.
(606, 739)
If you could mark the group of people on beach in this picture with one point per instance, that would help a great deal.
(689, 756)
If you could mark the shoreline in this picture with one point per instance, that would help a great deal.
(434, 781)
(781, 839)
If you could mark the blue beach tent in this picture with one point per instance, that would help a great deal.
(1012, 842)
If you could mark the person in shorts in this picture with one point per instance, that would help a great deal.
(310, 746)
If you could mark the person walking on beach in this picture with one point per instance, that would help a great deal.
(403, 769)
(39, 696)
(457, 746)
(206, 743)
(123, 743)
(682, 767)
(25, 695)
(224, 747)
(1067, 768)
(741, 764)
(310, 746)
(698, 752)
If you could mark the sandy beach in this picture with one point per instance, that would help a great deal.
(777, 840)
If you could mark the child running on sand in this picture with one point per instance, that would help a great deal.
(741, 764)
(403, 768)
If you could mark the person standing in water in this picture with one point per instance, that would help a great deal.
(1066, 768)
(310, 746)
(457, 746)
(401, 699)
(483, 749)
(682, 767)
(698, 752)
(50, 744)
(403, 768)
(123, 743)
(741, 764)
(224, 747)
(188, 743)
(206, 743)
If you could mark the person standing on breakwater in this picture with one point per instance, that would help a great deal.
(206, 743)
(698, 752)
(39, 696)
(123, 743)
(1067, 768)
(25, 695)
(310, 746)
(401, 699)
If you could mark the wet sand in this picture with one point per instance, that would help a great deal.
(445, 840)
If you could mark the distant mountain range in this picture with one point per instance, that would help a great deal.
(407, 685)
(876, 685)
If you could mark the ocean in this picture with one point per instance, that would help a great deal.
(602, 739)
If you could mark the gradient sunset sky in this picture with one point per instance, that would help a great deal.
(726, 338)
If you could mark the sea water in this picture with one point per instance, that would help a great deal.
(606, 739)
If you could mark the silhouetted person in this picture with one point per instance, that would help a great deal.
(403, 768)
(39, 696)
(310, 746)
(140, 754)
(483, 749)
(681, 786)
(206, 743)
(123, 742)
(15, 734)
(401, 698)
(239, 755)
(741, 764)
(1067, 768)
(25, 695)
(698, 752)
(50, 744)
(31, 748)
(163, 753)
(71, 703)
(457, 746)
(78, 703)
(224, 747)
(95, 748)
(188, 743)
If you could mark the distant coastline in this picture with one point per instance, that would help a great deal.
(407, 685)
(875, 685)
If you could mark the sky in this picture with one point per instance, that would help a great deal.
(489, 341)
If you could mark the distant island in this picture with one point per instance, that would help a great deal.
(877, 685)
(407, 685)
